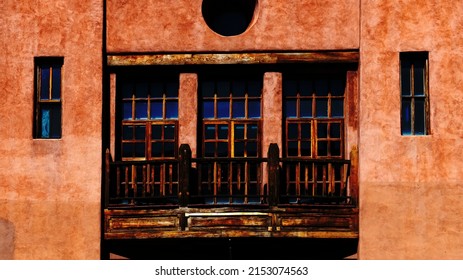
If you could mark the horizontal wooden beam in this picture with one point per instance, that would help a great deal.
(232, 58)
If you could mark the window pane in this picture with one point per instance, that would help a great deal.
(169, 132)
(208, 109)
(337, 108)
(406, 117)
(156, 90)
(45, 123)
(239, 131)
(141, 90)
(209, 132)
(223, 88)
(251, 149)
(56, 83)
(171, 89)
(306, 88)
(322, 149)
(289, 88)
(207, 89)
(156, 110)
(169, 149)
(127, 132)
(337, 87)
(322, 108)
(405, 77)
(290, 108)
(306, 131)
(419, 78)
(127, 90)
(156, 132)
(254, 88)
(306, 108)
(45, 83)
(335, 130)
(239, 149)
(292, 148)
(156, 149)
(252, 131)
(141, 110)
(335, 148)
(239, 88)
(127, 110)
(322, 130)
(139, 150)
(50, 120)
(222, 149)
(321, 87)
(420, 121)
(140, 132)
(223, 131)
(127, 149)
(223, 108)
(172, 109)
(238, 109)
(292, 131)
(305, 148)
(254, 108)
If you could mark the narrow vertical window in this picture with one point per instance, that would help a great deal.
(414, 93)
(47, 98)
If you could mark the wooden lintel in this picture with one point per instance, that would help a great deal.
(233, 58)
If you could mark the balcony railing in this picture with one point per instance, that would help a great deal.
(187, 181)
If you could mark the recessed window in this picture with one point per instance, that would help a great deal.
(47, 98)
(229, 17)
(414, 93)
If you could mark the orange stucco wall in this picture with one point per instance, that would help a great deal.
(410, 187)
(50, 189)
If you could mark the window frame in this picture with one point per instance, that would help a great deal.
(53, 99)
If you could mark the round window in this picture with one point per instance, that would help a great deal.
(229, 17)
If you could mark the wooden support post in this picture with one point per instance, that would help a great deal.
(273, 173)
(107, 177)
(184, 170)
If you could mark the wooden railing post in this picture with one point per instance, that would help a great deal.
(107, 178)
(273, 173)
(184, 170)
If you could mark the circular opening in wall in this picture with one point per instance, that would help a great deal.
(229, 17)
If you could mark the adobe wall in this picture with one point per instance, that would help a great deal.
(410, 187)
(50, 189)
(140, 26)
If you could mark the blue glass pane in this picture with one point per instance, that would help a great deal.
(157, 90)
(141, 110)
(45, 123)
(127, 90)
(156, 132)
(140, 132)
(171, 109)
(169, 149)
(239, 88)
(335, 148)
(223, 88)
(420, 120)
(406, 123)
(239, 131)
(156, 149)
(223, 109)
(171, 89)
(321, 87)
(335, 130)
(156, 109)
(251, 149)
(127, 150)
(419, 78)
(45, 83)
(207, 89)
(322, 130)
(306, 88)
(337, 87)
(56, 83)
(252, 131)
(306, 148)
(55, 120)
(208, 109)
(405, 77)
(239, 149)
(169, 132)
(254, 108)
(139, 150)
(337, 108)
(306, 108)
(209, 149)
(209, 132)
(127, 132)
(254, 88)
(322, 148)
(127, 110)
(222, 131)
(289, 88)
(306, 131)
(222, 149)
(141, 90)
(238, 109)
(292, 131)
(290, 108)
(292, 148)
(322, 108)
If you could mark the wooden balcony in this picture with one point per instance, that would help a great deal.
(229, 197)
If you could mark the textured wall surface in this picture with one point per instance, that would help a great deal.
(140, 26)
(411, 187)
(50, 189)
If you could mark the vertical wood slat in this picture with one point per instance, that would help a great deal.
(298, 181)
(246, 182)
(230, 182)
(184, 169)
(107, 177)
(273, 173)
(126, 178)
